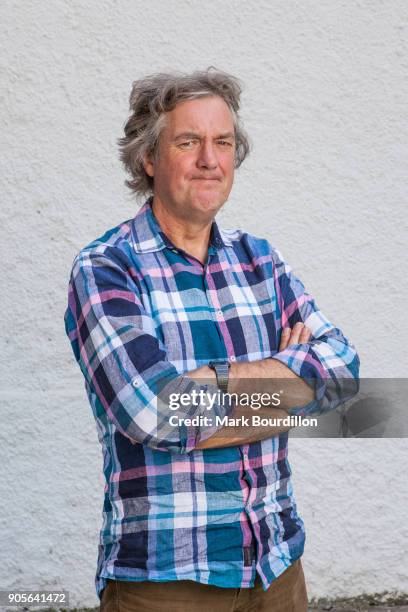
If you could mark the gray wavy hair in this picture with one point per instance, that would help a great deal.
(155, 95)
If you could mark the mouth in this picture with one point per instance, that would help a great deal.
(206, 179)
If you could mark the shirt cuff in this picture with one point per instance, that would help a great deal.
(302, 360)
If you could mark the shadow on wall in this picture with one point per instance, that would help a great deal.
(379, 410)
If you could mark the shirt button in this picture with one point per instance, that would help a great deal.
(219, 314)
(232, 358)
(245, 457)
(135, 383)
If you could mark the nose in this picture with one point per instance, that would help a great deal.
(207, 156)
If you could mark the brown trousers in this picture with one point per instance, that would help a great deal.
(286, 594)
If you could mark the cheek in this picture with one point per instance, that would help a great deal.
(228, 163)
(230, 170)
(183, 172)
(174, 176)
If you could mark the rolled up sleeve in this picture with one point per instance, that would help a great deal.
(328, 362)
(124, 363)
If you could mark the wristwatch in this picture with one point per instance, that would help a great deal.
(221, 371)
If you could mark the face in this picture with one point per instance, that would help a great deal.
(194, 169)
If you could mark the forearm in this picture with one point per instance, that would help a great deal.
(250, 378)
(235, 435)
(270, 376)
(262, 376)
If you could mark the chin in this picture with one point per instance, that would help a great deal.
(206, 202)
(206, 199)
(209, 205)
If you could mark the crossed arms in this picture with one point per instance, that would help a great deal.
(245, 378)
(126, 368)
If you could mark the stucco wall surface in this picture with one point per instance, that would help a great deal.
(325, 105)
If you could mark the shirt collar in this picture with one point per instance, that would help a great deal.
(148, 236)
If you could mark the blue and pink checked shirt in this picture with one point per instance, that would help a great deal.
(141, 314)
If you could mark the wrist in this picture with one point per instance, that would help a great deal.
(203, 372)
(221, 369)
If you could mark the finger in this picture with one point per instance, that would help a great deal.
(305, 335)
(285, 335)
(295, 335)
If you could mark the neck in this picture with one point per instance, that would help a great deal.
(188, 234)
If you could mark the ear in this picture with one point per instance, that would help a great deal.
(148, 164)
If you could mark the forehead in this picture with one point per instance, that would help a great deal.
(207, 114)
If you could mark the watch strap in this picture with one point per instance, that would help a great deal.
(221, 369)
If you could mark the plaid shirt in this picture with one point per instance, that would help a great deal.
(142, 312)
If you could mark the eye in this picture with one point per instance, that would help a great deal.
(187, 144)
(225, 143)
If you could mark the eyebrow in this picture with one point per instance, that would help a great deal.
(198, 136)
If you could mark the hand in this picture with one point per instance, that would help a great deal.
(299, 334)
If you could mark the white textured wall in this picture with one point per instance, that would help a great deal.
(324, 102)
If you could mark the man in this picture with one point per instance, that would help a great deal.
(165, 305)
